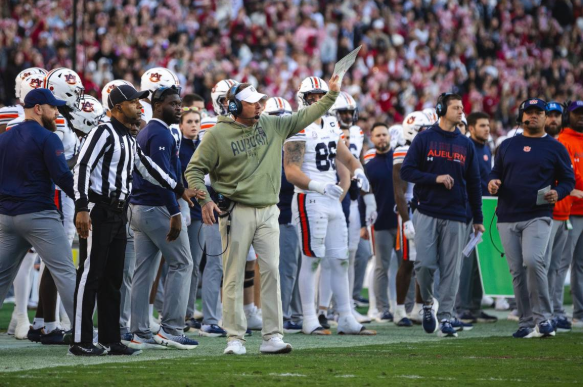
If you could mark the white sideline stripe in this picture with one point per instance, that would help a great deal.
(82, 283)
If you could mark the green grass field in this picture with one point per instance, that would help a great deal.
(484, 356)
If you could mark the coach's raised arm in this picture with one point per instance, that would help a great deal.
(234, 149)
(242, 155)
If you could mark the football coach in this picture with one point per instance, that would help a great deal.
(242, 154)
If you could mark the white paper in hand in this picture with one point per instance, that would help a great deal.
(540, 196)
(474, 240)
(344, 64)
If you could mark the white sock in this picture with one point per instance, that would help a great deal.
(400, 311)
(325, 288)
(339, 284)
(50, 326)
(307, 285)
(351, 261)
(38, 323)
(22, 283)
(248, 307)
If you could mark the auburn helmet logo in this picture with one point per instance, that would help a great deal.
(70, 79)
(87, 107)
(110, 88)
(411, 120)
(155, 77)
(36, 83)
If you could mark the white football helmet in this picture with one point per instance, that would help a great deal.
(28, 84)
(219, 95)
(24, 74)
(66, 85)
(431, 114)
(414, 123)
(277, 106)
(107, 90)
(464, 120)
(396, 133)
(89, 114)
(344, 102)
(154, 78)
(310, 85)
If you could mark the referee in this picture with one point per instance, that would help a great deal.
(526, 164)
(102, 184)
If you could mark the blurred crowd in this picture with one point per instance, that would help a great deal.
(493, 53)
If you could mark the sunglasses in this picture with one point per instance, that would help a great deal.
(188, 109)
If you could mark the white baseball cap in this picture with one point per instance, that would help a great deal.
(250, 95)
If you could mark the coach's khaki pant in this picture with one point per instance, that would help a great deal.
(260, 227)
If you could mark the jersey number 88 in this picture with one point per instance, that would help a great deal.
(326, 156)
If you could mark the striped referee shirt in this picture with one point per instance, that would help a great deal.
(106, 162)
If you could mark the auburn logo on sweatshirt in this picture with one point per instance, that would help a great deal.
(449, 152)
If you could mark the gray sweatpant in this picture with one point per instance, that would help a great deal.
(525, 244)
(196, 252)
(575, 252)
(150, 225)
(126, 286)
(45, 232)
(384, 242)
(440, 241)
(212, 275)
(289, 266)
(469, 296)
(363, 255)
(554, 258)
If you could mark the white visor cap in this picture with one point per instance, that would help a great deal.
(250, 95)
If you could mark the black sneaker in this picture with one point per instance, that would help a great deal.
(486, 318)
(86, 350)
(191, 325)
(323, 321)
(34, 334)
(361, 302)
(120, 349)
(56, 337)
(467, 316)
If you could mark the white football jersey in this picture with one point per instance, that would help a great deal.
(320, 153)
(10, 113)
(398, 158)
(356, 141)
(206, 124)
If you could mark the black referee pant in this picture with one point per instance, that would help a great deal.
(100, 275)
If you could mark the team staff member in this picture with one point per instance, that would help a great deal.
(379, 171)
(524, 165)
(243, 155)
(103, 177)
(152, 209)
(32, 162)
(572, 138)
(444, 167)
(470, 290)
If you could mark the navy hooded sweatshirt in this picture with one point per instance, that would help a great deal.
(436, 152)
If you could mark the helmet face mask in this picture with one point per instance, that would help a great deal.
(345, 104)
(88, 115)
(66, 85)
(219, 95)
(309, 86)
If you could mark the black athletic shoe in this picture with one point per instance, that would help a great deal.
(34, 334)
(486, 318)
(86, 350)
(56, 337)
(191, 325)
(323, 321)
(467, 316)
(120, 349)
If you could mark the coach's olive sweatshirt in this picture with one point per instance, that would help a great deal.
(244, 162)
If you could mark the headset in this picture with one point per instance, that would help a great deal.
(235, 107)
(159, 93)
(441, 107)
(566, 118)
